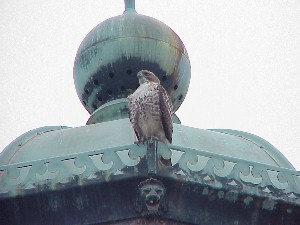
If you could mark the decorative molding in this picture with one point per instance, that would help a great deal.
(76, 169)
(188, 165)
(223, 172)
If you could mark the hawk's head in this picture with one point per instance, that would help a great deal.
(146, 76)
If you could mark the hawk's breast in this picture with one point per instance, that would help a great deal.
(150, 112)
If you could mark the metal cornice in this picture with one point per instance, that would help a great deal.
(124, 162)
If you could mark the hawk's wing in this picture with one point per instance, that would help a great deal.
(166, 109)
(133, 115)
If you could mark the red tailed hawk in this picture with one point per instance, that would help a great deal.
(150, 110)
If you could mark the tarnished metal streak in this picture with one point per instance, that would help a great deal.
(110, 56)
(112, 39)
(188, 165)
(131, 25)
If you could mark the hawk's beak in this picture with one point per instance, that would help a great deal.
(139, 75)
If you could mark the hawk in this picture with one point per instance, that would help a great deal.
(150, 109)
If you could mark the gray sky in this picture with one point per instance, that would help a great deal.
(245, 58)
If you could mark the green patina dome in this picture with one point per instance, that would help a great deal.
(110, 56)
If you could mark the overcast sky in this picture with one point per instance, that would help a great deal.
(245, 58)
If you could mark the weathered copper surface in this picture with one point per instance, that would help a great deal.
(96, 175)
(101, 187)
(110, 56)
(62, 142)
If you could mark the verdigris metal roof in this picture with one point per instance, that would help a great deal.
(47, 143)
(68, 170)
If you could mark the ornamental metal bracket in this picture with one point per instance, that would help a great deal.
(158, 156)
(151, 157)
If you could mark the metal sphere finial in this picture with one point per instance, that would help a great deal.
(129, 6)
(111, 55)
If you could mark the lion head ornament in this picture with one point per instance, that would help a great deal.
(151, 198)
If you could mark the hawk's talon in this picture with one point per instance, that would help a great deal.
(138, 143)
